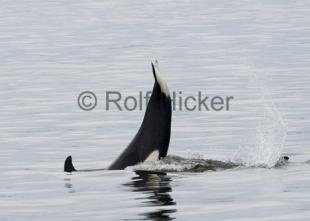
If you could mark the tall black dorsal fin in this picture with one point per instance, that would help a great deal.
(153, 138)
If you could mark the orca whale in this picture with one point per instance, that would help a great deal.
(151, 143)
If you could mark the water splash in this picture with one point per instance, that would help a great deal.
(180, 164)
(264, 147)
(195, 165)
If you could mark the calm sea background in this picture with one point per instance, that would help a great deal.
(256, 51)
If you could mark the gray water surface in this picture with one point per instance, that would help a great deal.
(256, 51)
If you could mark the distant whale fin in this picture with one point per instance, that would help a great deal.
(153, 138)
(68, 167)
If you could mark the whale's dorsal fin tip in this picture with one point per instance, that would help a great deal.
(161, 82)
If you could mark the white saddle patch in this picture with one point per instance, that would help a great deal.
(154, 156)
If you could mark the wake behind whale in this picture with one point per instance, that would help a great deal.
(197, 165)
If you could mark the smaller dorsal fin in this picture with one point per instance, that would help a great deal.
(68, 167)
